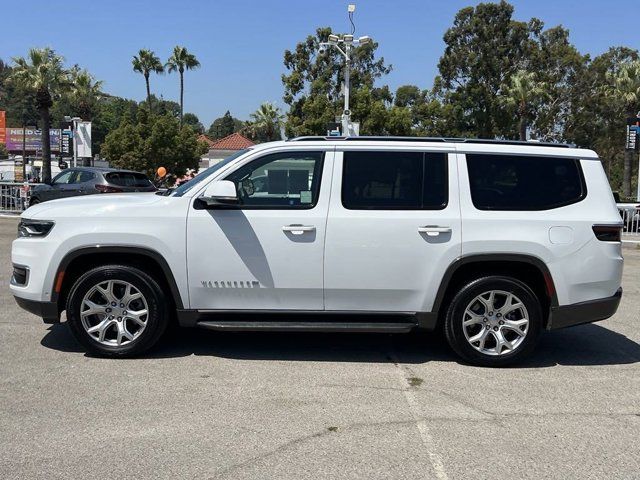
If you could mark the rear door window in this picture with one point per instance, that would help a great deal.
(374, 180)
(84, 177)
(513, 182)
(128, 179)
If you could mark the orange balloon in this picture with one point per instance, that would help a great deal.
(161, 172)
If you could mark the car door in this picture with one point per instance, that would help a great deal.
(84, 183)
(393, 228)
(61, 185)
(267, 253)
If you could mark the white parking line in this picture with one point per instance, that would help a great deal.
(423, 428)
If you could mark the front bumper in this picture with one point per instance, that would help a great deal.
(584, 312)
(48, 311)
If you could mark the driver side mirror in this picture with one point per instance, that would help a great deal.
(220, 194)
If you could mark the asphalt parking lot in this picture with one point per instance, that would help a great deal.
(294, 406)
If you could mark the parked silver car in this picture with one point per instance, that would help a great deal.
(78, 181)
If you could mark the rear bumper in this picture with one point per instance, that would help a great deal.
(584, 312)
(48, 311)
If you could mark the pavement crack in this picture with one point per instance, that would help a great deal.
(333, 430)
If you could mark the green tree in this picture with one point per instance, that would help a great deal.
(522, 94)
(162, 106)
(558, 67)
(154, 141)
(41, 73)
(625, 93)
(595, 119)
(225, 125)
(192, 120)
(86, 92)
(484, 47)
(111, 112)
(181, 60)
(408, 96)
(312, 86)
(17, 101)
(145, 63)
(266, 122)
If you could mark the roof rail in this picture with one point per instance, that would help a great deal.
(430, 139)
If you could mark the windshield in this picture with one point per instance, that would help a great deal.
(184, 188)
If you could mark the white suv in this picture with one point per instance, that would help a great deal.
(493, 241)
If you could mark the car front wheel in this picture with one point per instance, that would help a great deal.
(116, 311)
(494, 321)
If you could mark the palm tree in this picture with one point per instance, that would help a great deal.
(43, 74)
(522, 93)
(181, 60)
(625, 91)
(146, 62)
(267, 120)
(86, 91)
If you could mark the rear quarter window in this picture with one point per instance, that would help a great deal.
(517, 182)
(128, 179)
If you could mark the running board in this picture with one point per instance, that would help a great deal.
(313, 326)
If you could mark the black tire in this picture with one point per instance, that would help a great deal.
(33, 201)
(455, 315)
(156, 319)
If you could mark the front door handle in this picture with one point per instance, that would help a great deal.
(298, 229)
(434, 230)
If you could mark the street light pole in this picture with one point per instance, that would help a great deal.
(347, 42)
(346, 113)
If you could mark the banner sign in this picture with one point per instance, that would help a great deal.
(66, 141)
(83, 139)
(32, 139)
(3, 126)
(633, 130)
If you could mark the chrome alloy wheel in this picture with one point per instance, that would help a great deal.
(495, 322)
(114, 312)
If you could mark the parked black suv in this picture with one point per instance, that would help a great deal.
(77, 181)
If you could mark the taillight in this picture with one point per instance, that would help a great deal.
(608, 233)
(108, 189)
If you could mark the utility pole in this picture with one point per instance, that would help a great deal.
(74, 130)
(344, 44)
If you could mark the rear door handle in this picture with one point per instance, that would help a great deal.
(298, 229)
(434, 230)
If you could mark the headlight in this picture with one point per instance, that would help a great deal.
(34, 228)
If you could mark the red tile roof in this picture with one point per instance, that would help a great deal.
(235, 141)
(203, 138)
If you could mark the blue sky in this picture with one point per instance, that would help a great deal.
(240, 43)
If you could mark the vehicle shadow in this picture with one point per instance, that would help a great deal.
(585, 345)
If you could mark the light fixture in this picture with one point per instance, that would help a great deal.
(333, 38)
(351, 8)
(364, 40)
(347, 39)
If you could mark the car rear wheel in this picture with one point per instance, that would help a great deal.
(116, 311)
(494, 321)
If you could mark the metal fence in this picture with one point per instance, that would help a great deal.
(14, 196)
(630, 221)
